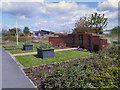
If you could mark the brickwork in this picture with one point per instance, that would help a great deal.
(90, 41)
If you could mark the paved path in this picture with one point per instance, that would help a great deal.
(12, 76)
(20, 54)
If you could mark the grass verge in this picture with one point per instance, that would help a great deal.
(33, 60)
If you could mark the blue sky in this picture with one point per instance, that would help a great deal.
(55, 15)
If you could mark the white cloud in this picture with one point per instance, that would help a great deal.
(0, 27)
(43, 9)
(110, 9)
(63, 5)
(11, 26)
(22, 0)
(48, 15)
(114, 1)
(58, 16)
(22, 17)
(111, 5)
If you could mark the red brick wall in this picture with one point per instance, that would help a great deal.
(57, 41)
(64, 40)
(54, 41)
(104, 44)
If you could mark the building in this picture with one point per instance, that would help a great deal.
(43, 33)
(81, 39)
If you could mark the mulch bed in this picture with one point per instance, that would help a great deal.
(47, 70)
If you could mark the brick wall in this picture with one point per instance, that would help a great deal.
(64, 40)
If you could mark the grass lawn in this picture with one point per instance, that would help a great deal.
(28, 60)
(20, 45)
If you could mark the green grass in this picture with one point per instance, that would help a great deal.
(21, 51)
(28, 60)
(20, 45)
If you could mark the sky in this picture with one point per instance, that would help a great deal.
(54, 15)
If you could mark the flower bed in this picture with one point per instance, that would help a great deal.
(80, 49)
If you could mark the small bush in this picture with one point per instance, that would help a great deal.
(49, 66)
(40, 74)
(107, 79)
(45, 46)
(27, 43)
(2, 43)
(115, 42)
(100, 32)
(31, 69)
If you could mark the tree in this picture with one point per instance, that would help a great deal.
(26, 30)
(98, 22)
(115, 30)
(5, 32)
(94, 24)
(13, 30)
(82, 25)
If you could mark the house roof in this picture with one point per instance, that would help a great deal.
(43, 31)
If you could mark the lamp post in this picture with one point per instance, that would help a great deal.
(17, 31)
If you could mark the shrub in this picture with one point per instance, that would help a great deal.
(115, 42)
(31, 69)
(45, 46)
(27, 43)
(100, 32)
(107, 79)
(2, 43)
(40, 74)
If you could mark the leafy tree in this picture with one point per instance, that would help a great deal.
(98, 22)
(26, 30)
(13, 30)
(95, 23)
(82, 25)
(5, 32)
(116, 30)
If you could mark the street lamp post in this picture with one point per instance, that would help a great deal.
(16, 31)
